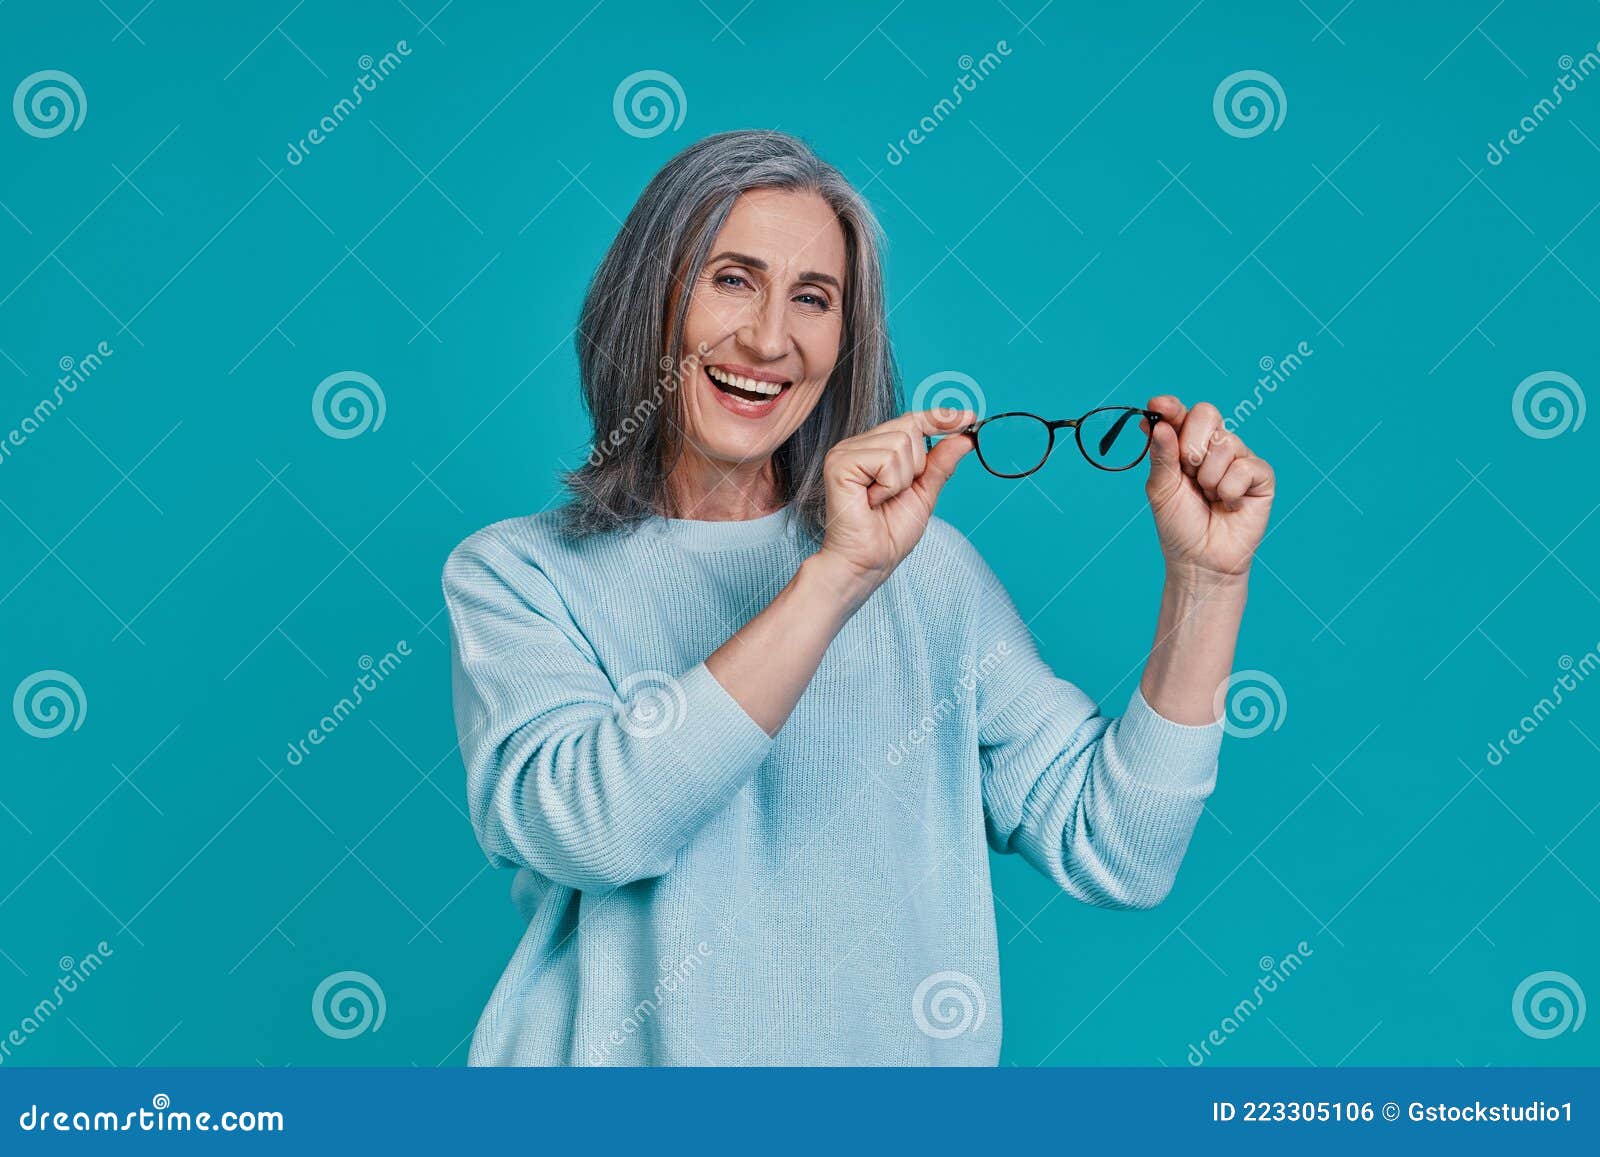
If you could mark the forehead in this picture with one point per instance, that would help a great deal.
(785, 227)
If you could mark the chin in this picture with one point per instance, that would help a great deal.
(730, 449)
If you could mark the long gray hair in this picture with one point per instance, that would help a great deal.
(630, 333)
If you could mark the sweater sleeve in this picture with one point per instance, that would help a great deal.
(590, 784)
(1103, 806)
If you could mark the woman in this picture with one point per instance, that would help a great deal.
(746, 716)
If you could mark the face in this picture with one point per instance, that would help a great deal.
(768, 307)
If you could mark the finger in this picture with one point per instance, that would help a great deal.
(919, 452)
(943, 420)
(1165, 472)
(1219, 457)
(902, 437)
(1169, 407)
(1245, 478)
(899, 471)
(914, 444)
(884, 461)
(1198, 434)
(941, 464)
(855, 464)
(898, 441)
(887, 438)
(889, 477)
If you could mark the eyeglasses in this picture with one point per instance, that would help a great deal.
(1015, 444)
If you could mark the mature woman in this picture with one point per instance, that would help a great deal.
(745, 716)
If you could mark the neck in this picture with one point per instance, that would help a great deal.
(710, 491)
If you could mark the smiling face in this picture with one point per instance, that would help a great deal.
(769, 309)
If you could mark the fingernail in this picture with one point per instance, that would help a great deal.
(946, 413)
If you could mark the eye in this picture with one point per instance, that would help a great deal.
(732, 280)
(815, 300)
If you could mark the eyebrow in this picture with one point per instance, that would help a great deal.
(757, 263)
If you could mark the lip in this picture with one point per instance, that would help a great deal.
(738, 406)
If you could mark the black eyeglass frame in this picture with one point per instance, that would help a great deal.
(1076, 426)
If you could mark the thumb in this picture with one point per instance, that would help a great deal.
(1165, 469)
(940, 465)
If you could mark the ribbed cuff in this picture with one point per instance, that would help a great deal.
(1164, 754)
(717, 735)
(685, 775)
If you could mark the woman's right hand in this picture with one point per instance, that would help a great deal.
(881, 487)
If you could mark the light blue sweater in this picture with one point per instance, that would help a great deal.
(698, 892)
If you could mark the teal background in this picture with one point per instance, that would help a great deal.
(183, 539)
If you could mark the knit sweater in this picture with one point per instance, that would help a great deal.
(698, 892)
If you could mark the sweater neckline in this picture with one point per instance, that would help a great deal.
(708, 534)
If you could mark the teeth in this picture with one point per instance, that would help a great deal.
(739, 381)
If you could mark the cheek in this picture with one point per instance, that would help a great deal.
(820, 346)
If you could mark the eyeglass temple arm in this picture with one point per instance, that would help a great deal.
(1110, 435)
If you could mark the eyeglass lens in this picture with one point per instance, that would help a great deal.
(1113, 439)
(1013, 444)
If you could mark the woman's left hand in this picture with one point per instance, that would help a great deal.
(1210, 495)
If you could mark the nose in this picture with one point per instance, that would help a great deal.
(764, 328)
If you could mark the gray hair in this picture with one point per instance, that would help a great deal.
(630, 355)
